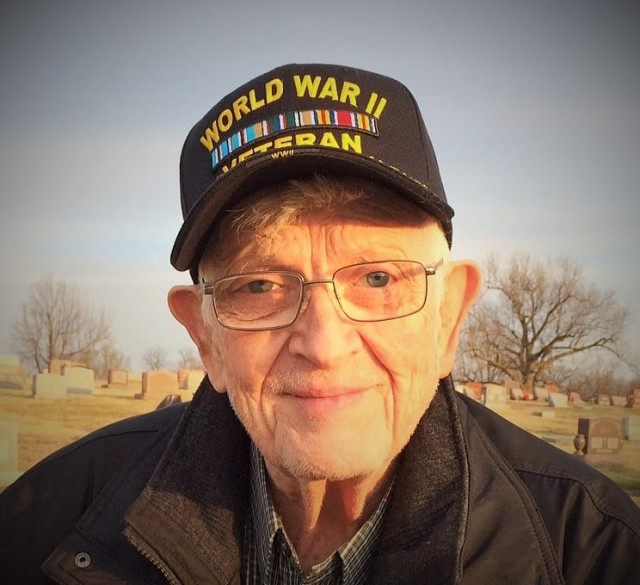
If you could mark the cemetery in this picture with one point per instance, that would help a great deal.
(44, 412)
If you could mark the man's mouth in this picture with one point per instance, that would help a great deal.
(325, 392)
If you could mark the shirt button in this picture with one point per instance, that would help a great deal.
(82, 560)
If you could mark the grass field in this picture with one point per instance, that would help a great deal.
(45, 425)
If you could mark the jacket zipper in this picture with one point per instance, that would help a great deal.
(153, 559)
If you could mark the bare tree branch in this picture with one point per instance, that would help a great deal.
(189, 359)
(58, 322)
(533, 315)
(155, 358)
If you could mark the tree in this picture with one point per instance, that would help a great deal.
(189, 359)
(155, 358)
(58, 322)
(534, 314)
(593, 377)
(107, 358)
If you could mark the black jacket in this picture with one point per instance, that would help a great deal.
(162, 497)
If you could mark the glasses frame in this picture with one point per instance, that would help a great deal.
(209, 289)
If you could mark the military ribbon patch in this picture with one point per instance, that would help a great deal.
(301, 119)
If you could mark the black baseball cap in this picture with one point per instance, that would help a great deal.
(299, 120)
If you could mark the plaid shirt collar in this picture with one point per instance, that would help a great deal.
(271, 558)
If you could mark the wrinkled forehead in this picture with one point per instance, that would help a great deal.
(334, 242)
(362, 212)
(316, 245)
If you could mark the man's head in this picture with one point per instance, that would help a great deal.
(297, 121)
(328, 310)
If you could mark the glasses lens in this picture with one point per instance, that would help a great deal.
(261, 300)
(376, 291)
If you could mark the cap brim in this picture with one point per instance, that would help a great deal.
(258, 172)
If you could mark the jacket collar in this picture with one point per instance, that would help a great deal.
(198, 494)
(424, 529)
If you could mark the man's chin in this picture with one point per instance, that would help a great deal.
(334, 461)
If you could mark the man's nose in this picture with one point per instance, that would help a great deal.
(322, 332)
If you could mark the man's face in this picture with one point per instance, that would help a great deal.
(327, 397)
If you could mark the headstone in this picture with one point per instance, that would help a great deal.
(603, 400)
(541, 393)
(603, 437)
(55, 367)
(495, 394)
(79, 380)
(516, 393)
(558, 400)
(8, 453)
(49, 386)
(634, 398)
(473, 390)
(158, 383)
(575, 398)
(552, 388)
(12, 374)
(118, 378)
(182, 377)
(192, 380)
(631, 428)
(618, 400)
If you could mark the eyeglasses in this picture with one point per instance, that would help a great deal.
(371, 291)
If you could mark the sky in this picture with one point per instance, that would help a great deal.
(533, 109)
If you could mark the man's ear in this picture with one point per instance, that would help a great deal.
(461, 287)
(185, 303)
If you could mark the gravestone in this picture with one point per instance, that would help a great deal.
(631, 428)
(12, 374)
(55, 367)
(575, 398)
(192, 380)
(8, 453)
(541, 393)
(516, 393)
(473, 390)
(49, 386)
(495, 394)
(618, 401)
(604, 399)
(158, 383)
(118, 378)
(182, 377)
(634, 398)
(603, 437)
(79, 380)
(558, 400)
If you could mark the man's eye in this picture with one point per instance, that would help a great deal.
(377, 279)
(260, 286)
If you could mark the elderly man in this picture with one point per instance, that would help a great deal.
(327, 444)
